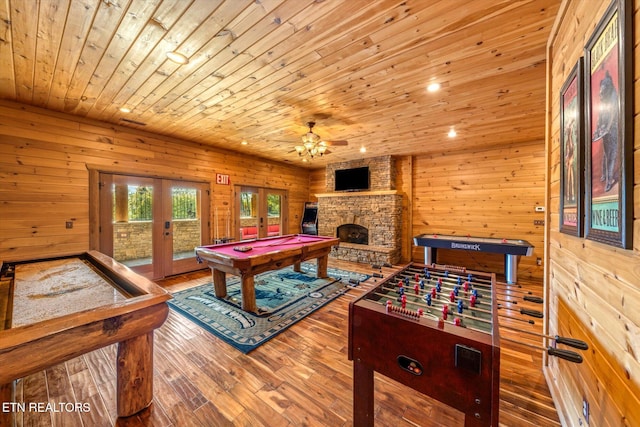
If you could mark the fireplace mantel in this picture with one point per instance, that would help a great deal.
(357, 193)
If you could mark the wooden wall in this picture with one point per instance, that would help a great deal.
(490, 193)
(593, 289)
(44, 158)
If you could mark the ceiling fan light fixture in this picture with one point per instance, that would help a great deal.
(312, 144)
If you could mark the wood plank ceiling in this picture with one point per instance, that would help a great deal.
(259, 70)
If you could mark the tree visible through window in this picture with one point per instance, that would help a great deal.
(140, 202)
(273, 205)
(185, 203)
(247, 204)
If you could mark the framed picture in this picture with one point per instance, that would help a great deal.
(572, 152)
(608, 128)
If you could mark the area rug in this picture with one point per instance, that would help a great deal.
(283, 297)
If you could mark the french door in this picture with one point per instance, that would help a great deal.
(260, 212)
(153, 225)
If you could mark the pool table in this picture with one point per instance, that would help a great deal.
(55, 309)
(261, 255)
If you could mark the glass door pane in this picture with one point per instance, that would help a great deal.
(274, 213)
(249, 213)
(260, 212)
(132, 222)
(187, 223)
(185, 226)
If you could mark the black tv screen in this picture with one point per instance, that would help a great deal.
(354, 179)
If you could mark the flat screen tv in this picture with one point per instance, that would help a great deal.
(355, 179)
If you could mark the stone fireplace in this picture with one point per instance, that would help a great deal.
(368, 223)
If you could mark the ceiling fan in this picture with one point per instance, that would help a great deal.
(313, 145)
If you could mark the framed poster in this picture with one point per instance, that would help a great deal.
(608, 128)
(572, 152)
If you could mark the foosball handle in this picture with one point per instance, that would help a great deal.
(530, 298)
(572, 342)
(569, 355)
(532, 313)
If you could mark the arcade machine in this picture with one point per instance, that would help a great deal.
(310, 218)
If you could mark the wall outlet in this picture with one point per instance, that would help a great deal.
(68, 224)
(538, 222)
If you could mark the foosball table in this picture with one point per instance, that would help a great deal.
(434, 329)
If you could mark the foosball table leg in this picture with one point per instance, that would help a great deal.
(362, 395)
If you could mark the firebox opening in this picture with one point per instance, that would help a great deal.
(353, 233)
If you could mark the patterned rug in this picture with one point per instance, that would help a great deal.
(283, 297)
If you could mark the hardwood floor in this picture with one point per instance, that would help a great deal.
(302, 377)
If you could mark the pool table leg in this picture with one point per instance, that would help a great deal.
(248, 294)
(219, 283)
(323, 264)
(135, 374)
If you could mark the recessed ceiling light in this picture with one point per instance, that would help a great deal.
(178, 58)
(125, 109)
(452, 133)
(433, 87)
(244, 142)
(363, 150)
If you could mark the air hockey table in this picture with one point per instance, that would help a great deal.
(55, 309)
(250, 257)
(510, 248)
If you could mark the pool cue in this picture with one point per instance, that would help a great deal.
(571, 342)
(286, 242)
(216, 235)
(228, 222)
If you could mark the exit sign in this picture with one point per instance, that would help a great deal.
(222, 179)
